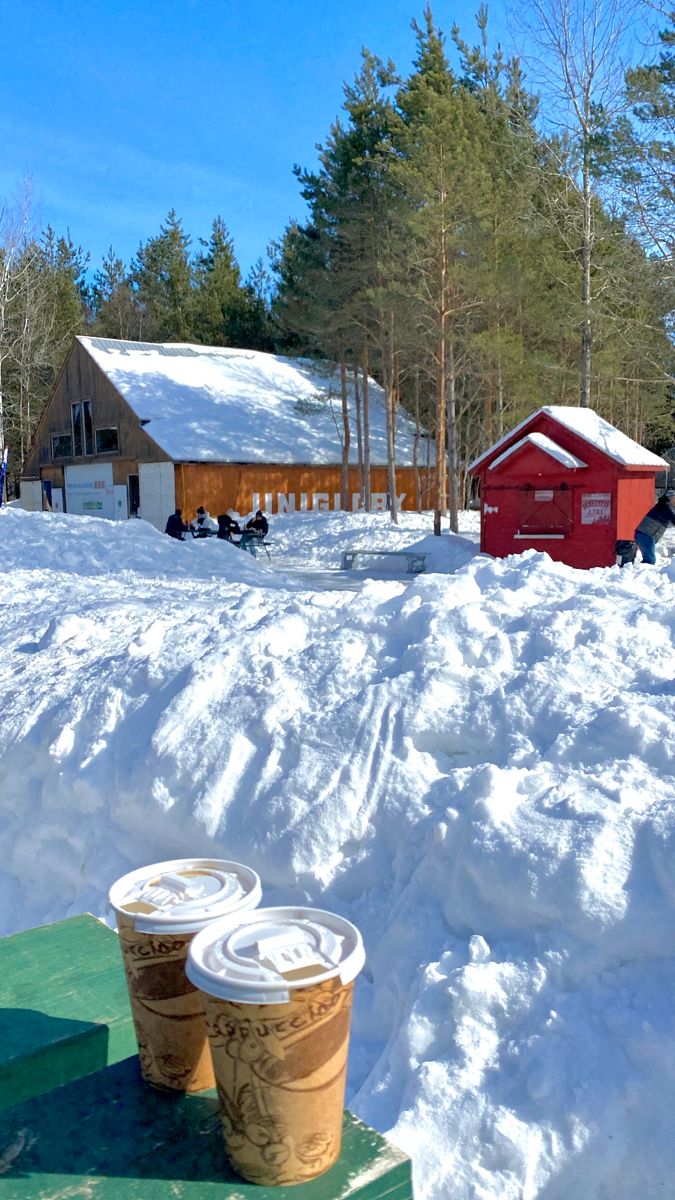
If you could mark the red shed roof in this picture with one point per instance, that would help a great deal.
(542, 442)
(590, 427)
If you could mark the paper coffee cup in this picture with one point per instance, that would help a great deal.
(159, 909)
(277, 987)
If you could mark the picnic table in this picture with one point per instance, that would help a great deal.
(79, 1120)
(414, 560)
(64, 1009)
(248, 539)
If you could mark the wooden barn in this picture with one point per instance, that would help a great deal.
(138, 429)
(567, 482)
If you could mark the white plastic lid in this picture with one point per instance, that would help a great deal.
(261, 957)
(184, 894)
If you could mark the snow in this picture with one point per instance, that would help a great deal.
(474, 765)
(209, 404)
(542, 442)
(592, 428)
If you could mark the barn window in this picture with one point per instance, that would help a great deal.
(62, 445)
(107, 441)
(83, 428)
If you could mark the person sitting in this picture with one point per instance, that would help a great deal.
(255, 531)
(175, 526)
(203, 524)
(259, 524)
(227, 526)
(654, 524)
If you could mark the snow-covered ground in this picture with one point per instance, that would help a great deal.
(474, 765)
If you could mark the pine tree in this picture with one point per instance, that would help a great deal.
(162, 280)
(219, 299)
(117, 312)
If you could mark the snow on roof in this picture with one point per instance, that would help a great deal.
(211, 404)
(594, 429)
(543, 443)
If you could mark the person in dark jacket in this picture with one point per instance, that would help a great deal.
(254, 532)
(654, 524)
(175, 527)
(227, 526)
(259, 524)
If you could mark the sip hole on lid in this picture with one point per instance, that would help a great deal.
(182, 895)
(261, 957)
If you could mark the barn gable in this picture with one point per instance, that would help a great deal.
(114, 423)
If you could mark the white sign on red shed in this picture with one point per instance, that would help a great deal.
(596, 508)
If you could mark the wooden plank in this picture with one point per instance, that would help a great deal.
(111, 1137)
(64, 1010)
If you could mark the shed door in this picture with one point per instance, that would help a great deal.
(545, 510)
(158, 492)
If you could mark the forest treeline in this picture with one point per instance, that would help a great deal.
(474, 262)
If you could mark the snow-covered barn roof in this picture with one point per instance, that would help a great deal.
(591, 428)
(211, 404)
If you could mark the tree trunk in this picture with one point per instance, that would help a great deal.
(439, 498)
(359, 432)
(499, 414)
(367, 493)
(586, 331)
(390, 401)
(452, 437)
(416, 444)
(346, 439)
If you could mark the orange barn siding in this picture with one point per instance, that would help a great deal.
(247, 486)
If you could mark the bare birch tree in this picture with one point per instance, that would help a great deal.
(587, 46)
(15, 267)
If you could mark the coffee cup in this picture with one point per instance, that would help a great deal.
(277, 987)
(159, 909)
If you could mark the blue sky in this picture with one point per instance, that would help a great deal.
(120, 111)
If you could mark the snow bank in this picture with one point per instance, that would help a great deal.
(476, 766)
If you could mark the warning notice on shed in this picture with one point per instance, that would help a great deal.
(596, 508)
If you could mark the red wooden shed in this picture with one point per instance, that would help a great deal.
(567, 482)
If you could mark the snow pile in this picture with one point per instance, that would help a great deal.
(476, 766)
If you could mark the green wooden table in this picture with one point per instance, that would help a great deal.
(111, 1137)
(64, 1010)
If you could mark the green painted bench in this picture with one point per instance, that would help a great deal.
(64, 1010)
(111, 1137)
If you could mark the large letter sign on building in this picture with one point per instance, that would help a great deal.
(289, 502)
